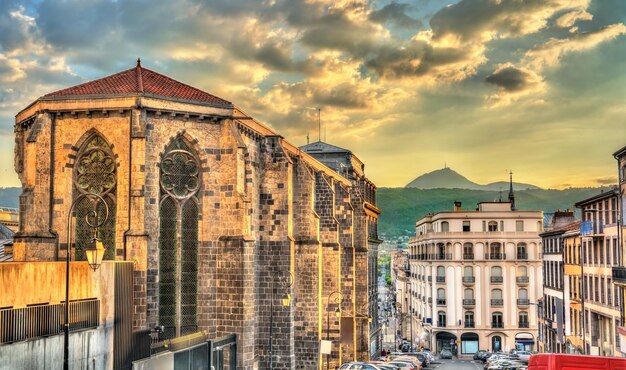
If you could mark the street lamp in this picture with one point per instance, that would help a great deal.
(285, 301)
(94, 257)
(338, 300)
(363, 317)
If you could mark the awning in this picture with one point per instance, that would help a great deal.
(524, 336)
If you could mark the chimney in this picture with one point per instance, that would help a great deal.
(457, 206)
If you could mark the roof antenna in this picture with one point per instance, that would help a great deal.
(319, 124)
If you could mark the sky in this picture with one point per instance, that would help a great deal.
(482, 86)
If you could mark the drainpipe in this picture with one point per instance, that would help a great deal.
(51, 187)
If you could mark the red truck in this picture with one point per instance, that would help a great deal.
(549, 361)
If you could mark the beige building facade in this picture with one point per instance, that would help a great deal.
(476, 278)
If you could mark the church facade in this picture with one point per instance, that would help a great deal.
(220, 214)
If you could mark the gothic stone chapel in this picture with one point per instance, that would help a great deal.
(214, 209)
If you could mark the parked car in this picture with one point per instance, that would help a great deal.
(404, 365)
(422, 357)
(410, 359)
(479, 354)
(445, 353)
(523, 355)
(361, 366)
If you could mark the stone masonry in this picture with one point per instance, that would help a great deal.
(272, 219)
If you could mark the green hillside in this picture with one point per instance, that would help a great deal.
(403, 206)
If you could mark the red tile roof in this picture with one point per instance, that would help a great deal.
(141, 81)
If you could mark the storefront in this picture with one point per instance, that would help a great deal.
(524, 342)
(469, 343)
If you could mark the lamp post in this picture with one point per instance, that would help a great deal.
(285, 300)
(94, 258)
(338, 300)
(363, 317)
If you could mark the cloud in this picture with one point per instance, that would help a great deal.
(550, 53)
(395, 13)
(612, 180)
(568, 19)
(512, 83)
(471, 20)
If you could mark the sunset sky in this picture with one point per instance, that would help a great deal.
(485, 86)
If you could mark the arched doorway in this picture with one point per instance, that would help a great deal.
(496, 343)
(469, 343)
(524, 342)
(446, 340)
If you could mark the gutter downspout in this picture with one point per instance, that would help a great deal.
(130, 178)
(51, 188)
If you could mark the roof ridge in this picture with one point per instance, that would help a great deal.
(139, 77)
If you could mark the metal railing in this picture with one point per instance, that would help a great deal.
(469, 324)
(497, 325)
(523, 325)
(523, 302)
(441, 302)
(495, 256)
(469, 279)
(522, 279)
(468, 256)
(18, 324)
(522, 256)
(497, 302)
(497, 279)
(469, 302)
(441, 279)
(441, 324)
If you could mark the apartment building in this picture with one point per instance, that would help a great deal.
(619, 270)
(554, 315)
(476, 278)
(601, 299)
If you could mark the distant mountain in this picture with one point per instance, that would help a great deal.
(403, 206)
(447, 178)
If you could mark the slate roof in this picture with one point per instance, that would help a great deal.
(322, 147)
(138, 81)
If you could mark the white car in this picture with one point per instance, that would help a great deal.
(523, 355)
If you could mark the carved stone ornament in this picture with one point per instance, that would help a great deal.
(179, 174)
(95, 169)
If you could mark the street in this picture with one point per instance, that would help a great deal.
(455, 365)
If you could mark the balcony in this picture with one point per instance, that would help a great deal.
(496, 279)
(441, 279)
(430, 279)
(522, 256)
(441, 324)
(441, 302)
(469, 302)
(469, 324)
(497, 302)
(619, 275)
(522, 280)
(468, 256)
(524, 325)
(441, 256)
(523, 302)
(497, 325)
(469, 279)
(495, 256)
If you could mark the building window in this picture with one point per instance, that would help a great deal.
(496, 320)
(492, 226)
(445, 226)
(495, 250)
(523, 319)
(496, 298)
(441, 319)
(441, 296)
(496, 274)
(468, 251)
(441, 274)
(95, 173)
(466, 226)
(522, 253)
(469, 319)
(519, 225)
(178, 239)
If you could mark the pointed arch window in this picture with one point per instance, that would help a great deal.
(95, 172)
(178, 239)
